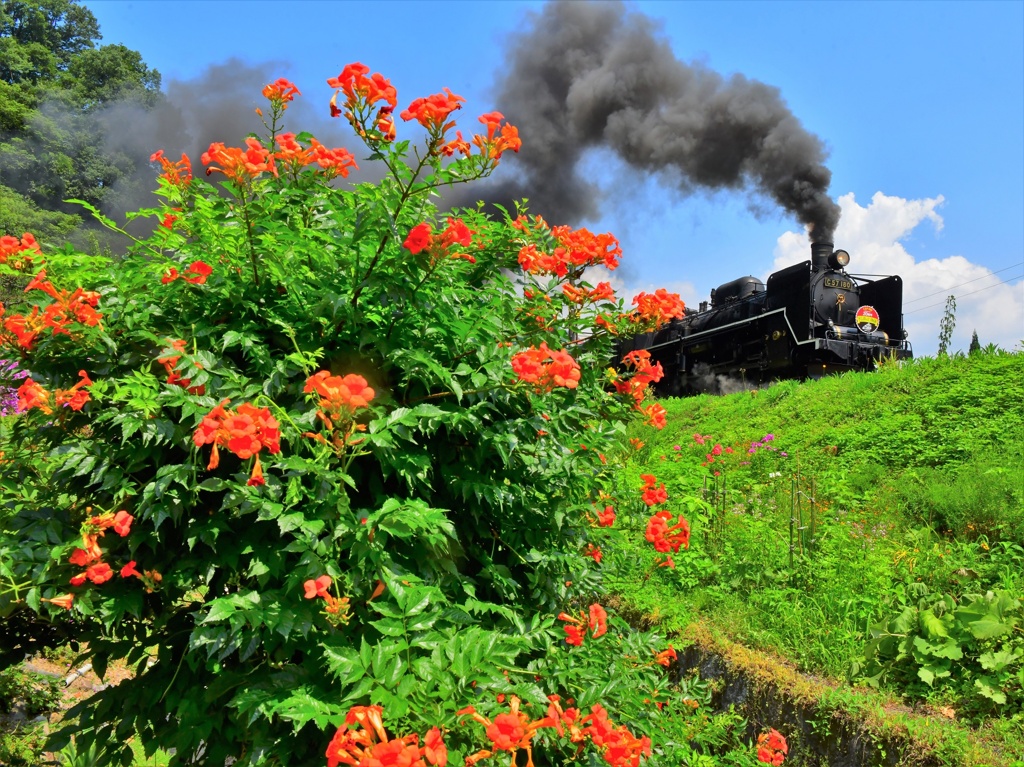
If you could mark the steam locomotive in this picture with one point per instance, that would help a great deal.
(811, 319)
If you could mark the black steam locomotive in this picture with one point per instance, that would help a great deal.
(811, 319)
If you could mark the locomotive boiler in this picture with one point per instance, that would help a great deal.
(809, 320)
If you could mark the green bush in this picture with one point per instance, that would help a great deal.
(23, 746)
(972, 646)
(31, 692)
(983, 497)
(909, 500)
(341, 450)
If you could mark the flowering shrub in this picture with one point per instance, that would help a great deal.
(407, 417)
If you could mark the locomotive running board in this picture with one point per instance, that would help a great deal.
(748, 321)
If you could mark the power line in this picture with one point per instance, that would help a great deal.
(979, 290)
(968, 282)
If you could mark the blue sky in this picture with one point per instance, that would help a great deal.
(921, 105)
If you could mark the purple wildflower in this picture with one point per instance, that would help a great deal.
(9, 373)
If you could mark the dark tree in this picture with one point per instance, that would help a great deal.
(56, 86)
(975, 344)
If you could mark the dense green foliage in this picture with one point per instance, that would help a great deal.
(25, 695)
(878, 533)
(32, 692)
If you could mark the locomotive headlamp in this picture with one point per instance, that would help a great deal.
(839, 259)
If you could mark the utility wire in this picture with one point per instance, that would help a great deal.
(961, 295)
(968, 282)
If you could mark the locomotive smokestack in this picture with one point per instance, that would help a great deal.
(596, 75)
(820, 251)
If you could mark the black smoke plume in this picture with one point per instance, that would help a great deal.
(586, 75)
(218, 105)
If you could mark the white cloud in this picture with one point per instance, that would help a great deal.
(873, 235)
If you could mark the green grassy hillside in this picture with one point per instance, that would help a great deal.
(940, 442)
(869, 527)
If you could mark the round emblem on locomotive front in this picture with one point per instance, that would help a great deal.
(866, 319)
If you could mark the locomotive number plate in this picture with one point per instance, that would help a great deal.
(832, 282)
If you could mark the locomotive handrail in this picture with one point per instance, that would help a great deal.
(859, 276)
(722, 328)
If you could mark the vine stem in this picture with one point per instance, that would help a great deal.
(17, 588)
(283, 413)
(176, 670)
(407, 192)
(248, 237)
(441, 395)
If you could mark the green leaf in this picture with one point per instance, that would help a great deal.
(301, 707)
(932, 626)
(990, 689)
(997, 661)
(359, 691)
(950, 649)
(345, 663)
(389, 627)
(395, 672)
(988, 628)
(421, 599)
(405, 687)
(424, 622)
(365, 652)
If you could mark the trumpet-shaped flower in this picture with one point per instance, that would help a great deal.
(18, 251)
(595, 619)
(245, 431)
(280, 92)
(509, 732)
(432, 112)
(668, 538)
(340, 396)
(653, 493)
(175, 174)
(239, 165)
(546, 368)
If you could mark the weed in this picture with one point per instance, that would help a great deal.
(63, 654)
(33, 693)
(22, 746)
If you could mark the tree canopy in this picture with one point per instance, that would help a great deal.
(39, 39)
(56, 80)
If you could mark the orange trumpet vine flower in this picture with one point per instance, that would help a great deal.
(510, 732)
